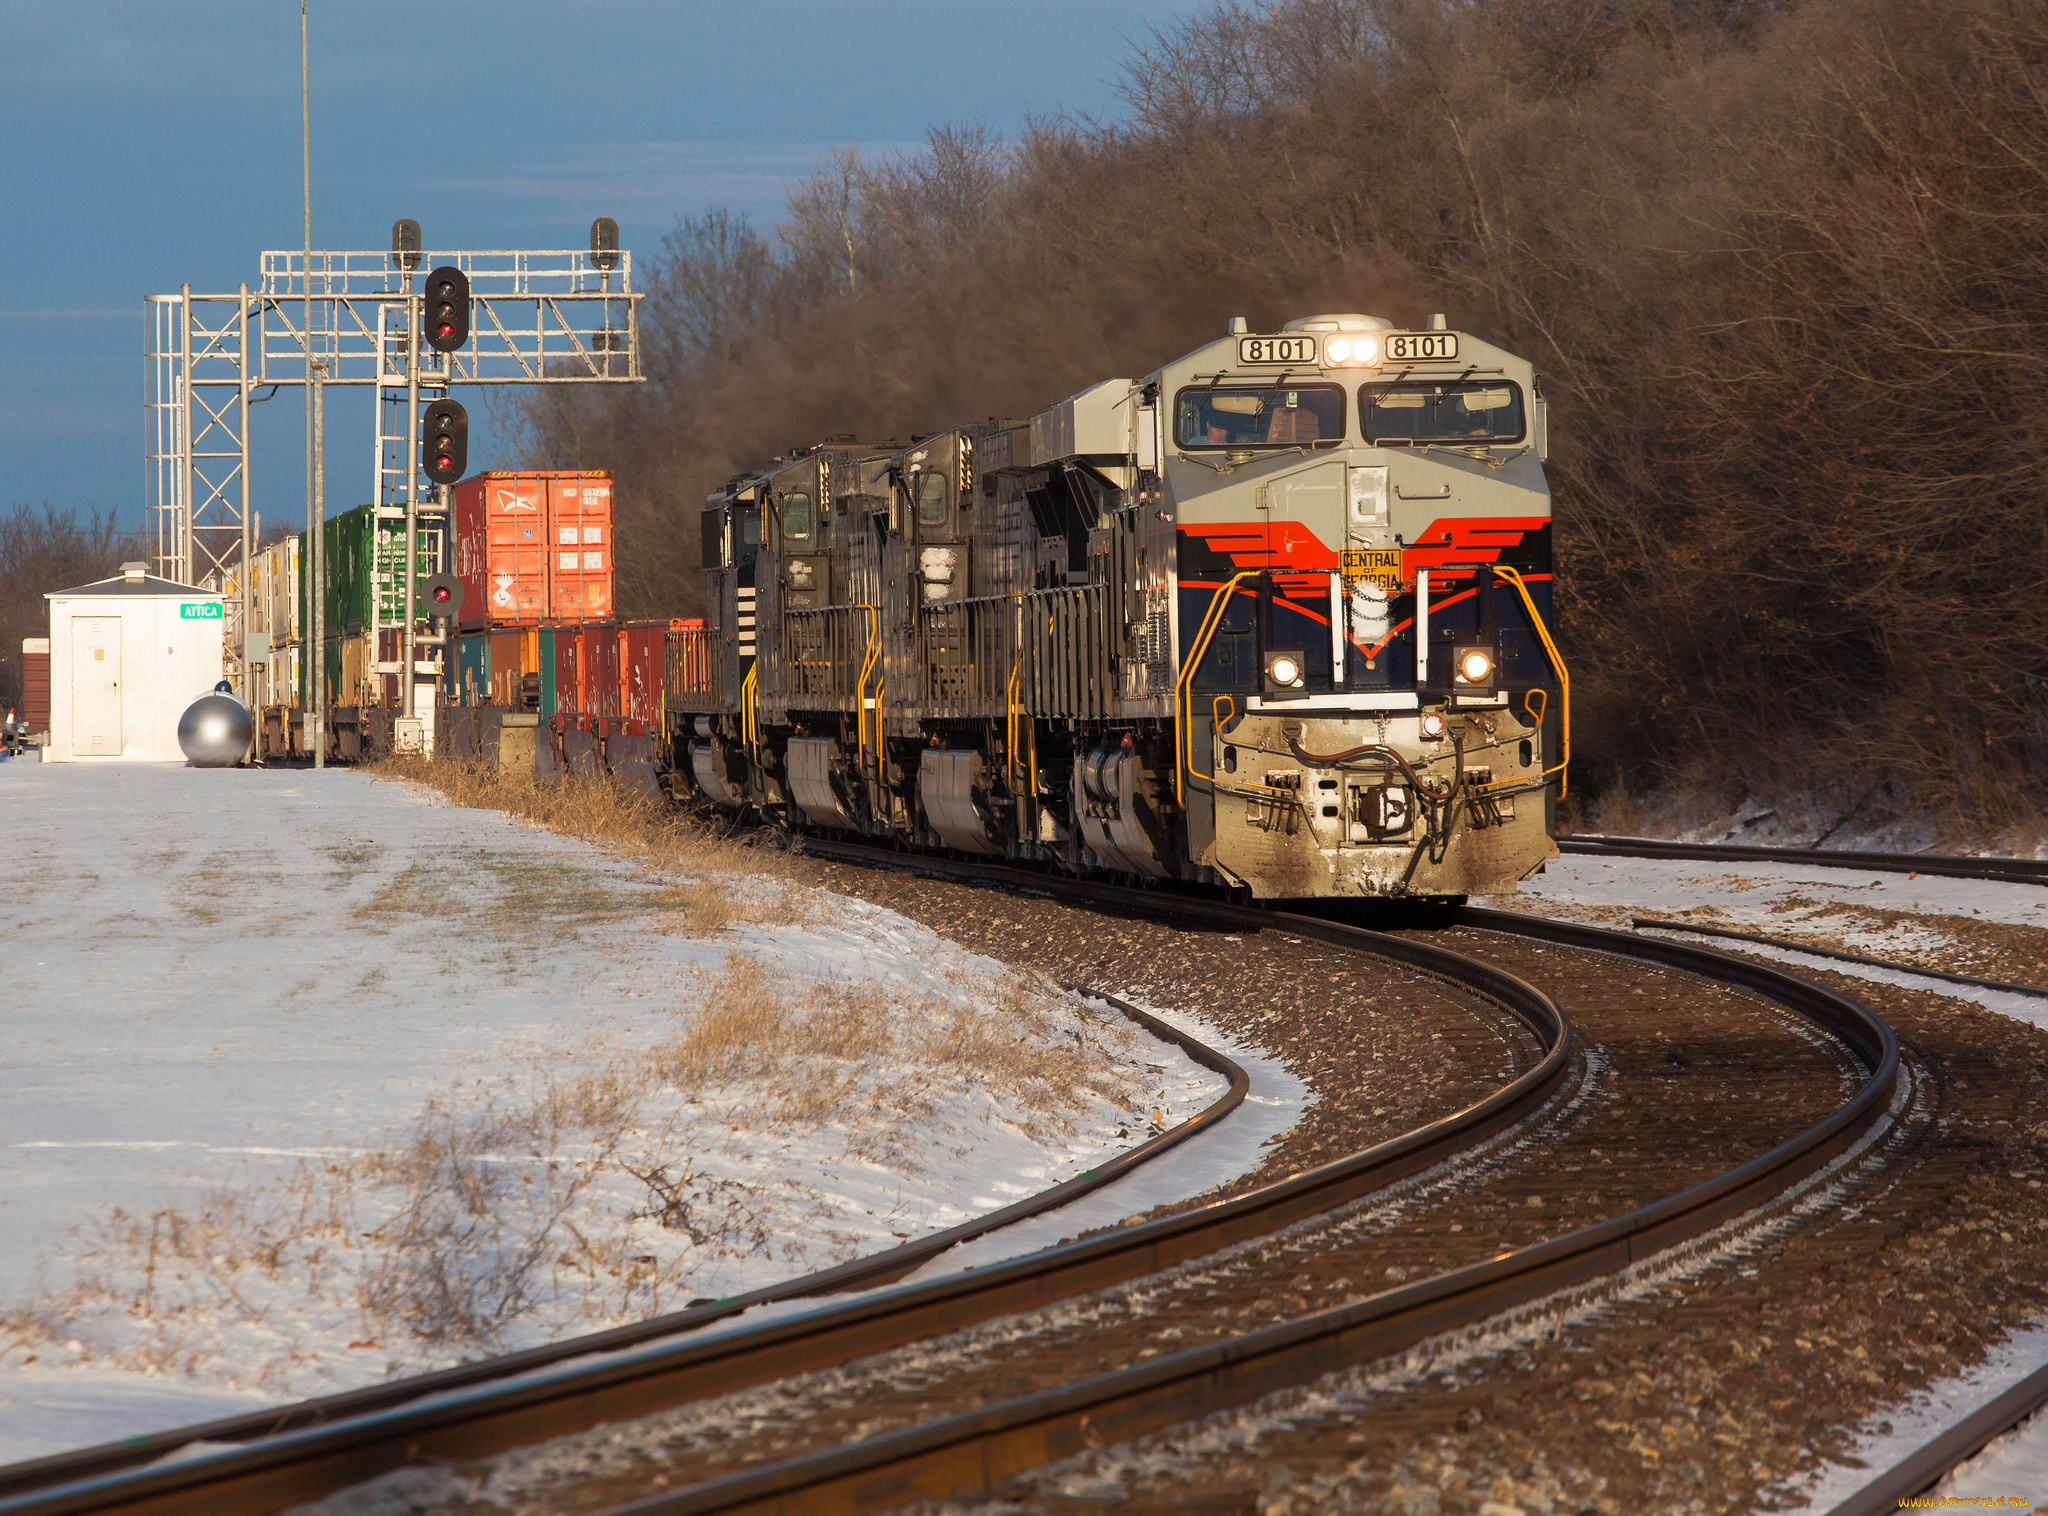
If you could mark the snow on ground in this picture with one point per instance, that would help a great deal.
(1849, 904)
(1793, 822)
(1772, 896)
(310, 1079)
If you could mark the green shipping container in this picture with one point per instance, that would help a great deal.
(363, 554)
(547, 671)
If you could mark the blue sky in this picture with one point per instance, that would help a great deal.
(146, 145)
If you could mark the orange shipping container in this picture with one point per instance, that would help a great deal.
(533, 547)
(580, 515)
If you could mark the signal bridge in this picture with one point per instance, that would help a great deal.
(356, 318)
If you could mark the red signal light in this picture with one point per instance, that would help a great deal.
(447, 309)
(444, 441)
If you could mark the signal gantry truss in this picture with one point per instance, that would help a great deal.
(538, 317)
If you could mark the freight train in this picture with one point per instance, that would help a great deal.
(1271, 618)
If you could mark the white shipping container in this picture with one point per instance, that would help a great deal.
(276, 583)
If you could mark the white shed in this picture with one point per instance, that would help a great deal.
(127, 656)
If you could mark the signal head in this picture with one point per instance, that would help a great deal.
(405, 243)
(444, 441)
(447, 309)
(604, 244)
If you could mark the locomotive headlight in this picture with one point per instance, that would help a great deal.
(1352, 349)
(1283, 671)
(1475, 665)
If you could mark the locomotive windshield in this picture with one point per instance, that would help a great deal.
(1462, 412)
(796, 517)
(1259, 417)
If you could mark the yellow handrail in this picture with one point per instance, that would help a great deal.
(1183, 752)
(1564, 679)
(1010, 709)
(860, 689)
(750, 706)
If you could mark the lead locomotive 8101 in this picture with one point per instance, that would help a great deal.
(1272, 618)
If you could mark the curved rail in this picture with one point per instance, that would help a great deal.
(477, 1410)
(979, 1448)
(2011, 870)
(1652, 923)
(872, 1271)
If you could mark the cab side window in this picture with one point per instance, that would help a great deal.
(931, 500)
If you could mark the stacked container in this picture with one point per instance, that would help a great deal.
(533, 547)
(362, 574)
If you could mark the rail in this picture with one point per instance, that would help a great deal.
(967, 646)
(2015, 870)
(1562, 767)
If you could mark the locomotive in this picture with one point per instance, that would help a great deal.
(1272, 618)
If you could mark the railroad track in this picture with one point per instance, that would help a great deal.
(1924, 1468)
(475, 1413)
(2013, 870)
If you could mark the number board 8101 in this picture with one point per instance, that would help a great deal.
(1419, 347)
(1276, 350)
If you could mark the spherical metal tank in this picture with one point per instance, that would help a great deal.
(215, 731)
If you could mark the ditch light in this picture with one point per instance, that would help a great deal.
(1474, 666)
(1283, 671)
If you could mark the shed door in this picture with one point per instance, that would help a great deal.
(96, 686)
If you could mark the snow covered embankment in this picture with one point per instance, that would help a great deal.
(598, 1096)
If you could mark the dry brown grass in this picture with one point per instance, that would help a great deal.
(696, 860)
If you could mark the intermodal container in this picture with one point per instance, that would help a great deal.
(274, 592)
(568, 671)
(544, 665)
(581, 560)
(512, 658)
(35, 683)
(363, 557)
(641, 655)
(534, 546)
(470, 672)
(597, 659)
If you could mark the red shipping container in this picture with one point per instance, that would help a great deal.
(35, 683)
(641, 651)
(568, 683)
(535, 546)
(597, 665)
(580, 545)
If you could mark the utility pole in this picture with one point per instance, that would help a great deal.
(408, 653)
(316, 521)
(316, 705)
